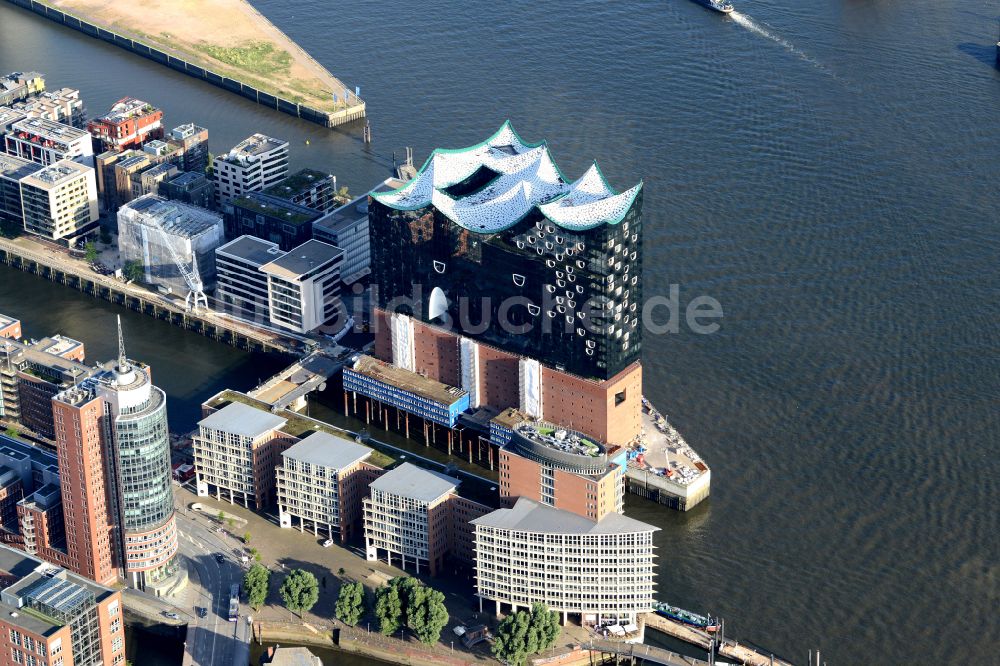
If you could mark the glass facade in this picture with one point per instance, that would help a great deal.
(143, 447)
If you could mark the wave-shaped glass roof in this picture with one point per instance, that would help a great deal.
(526, 178)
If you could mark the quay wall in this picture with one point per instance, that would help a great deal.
(150, 305)
(666, 492)
(324, 118)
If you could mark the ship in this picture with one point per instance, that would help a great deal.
(687, 617)
(718, 5)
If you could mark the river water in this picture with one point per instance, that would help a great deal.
(826, 170)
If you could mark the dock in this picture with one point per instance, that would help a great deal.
(31, 257)
(636, 653)
(669, 471)
(726, 647)
(226, 43)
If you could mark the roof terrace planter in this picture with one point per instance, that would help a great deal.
(566, 449)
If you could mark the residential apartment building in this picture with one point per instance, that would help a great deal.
(47, 142)
(51, 617)
(59, 202)
(128, 124)
(235, 453)
(558, 467)
(598, 571)
(18, 86)
(321, 485)
(128, 172)
(264, 216)
(152, 179)
(407, 516)
(308, 187)
(12, 170)
(192, 141)
(303, 286)
(191, 187)
(252, 165)
(63, 106)
(241, 287)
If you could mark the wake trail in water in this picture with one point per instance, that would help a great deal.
(758, 29)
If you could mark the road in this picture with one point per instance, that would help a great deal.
(212, 639)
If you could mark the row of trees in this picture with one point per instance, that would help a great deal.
(299, 591)
(525, 633)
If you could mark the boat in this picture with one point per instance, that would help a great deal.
(687, 617)
(717, 5)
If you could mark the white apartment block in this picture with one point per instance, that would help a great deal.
(600, 571)
(235, 456)
(47, 142)
(59, 202)
(407, 515)
(253, 164)
(318, 485)
(303, 286)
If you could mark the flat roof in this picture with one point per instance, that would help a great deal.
(176, 217)
(530, 516)
(243, 420)
(301, 260)
(251, 249)
(511, 417)
(415, 483)
(357, 209)
(328, 450)
(297, 183)
(276, 207)
(255, 144)
(50, 129)
(407, 381)
(56, 174)
(15, 168)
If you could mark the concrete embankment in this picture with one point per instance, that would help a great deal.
(225, 42)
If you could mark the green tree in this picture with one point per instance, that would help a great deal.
(133, 270)
(221, 517)
(404, 586)
(210, 165)
(343, 192)
(255, 582)
(524, 633)
(300, 591)
(246, 538)
(11, 432)
(388, 609)
(426, 614)
(90, 252)
(351, 603)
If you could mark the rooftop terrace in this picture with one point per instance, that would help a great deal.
(405, 380)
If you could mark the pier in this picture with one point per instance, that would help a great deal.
(728, 648)
(291, 82)
(61, 269)
(637, 653)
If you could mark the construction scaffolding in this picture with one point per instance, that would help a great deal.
(175, 244)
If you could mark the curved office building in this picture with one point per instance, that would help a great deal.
(137, 419)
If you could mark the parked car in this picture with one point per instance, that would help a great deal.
(220, 558)
(202, 611)
(172, 616)
(328, 543)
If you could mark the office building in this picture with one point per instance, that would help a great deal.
(252, 165)
(303, 286)
(59, 202)
(559, 467)
(47, 142)
(347, 227)
(51, 617)
(128, 124)
(158, 234)
(63, 106)
(12, 170)
(192, 141)
(25, 470)
(18, 86)
(407, 516)
(279, 221)
(598, 571)
(308, 187)
(241, 285)
(321, 484)
(191, 187)
(235, 453)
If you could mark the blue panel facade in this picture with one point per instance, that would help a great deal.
(436, 412)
